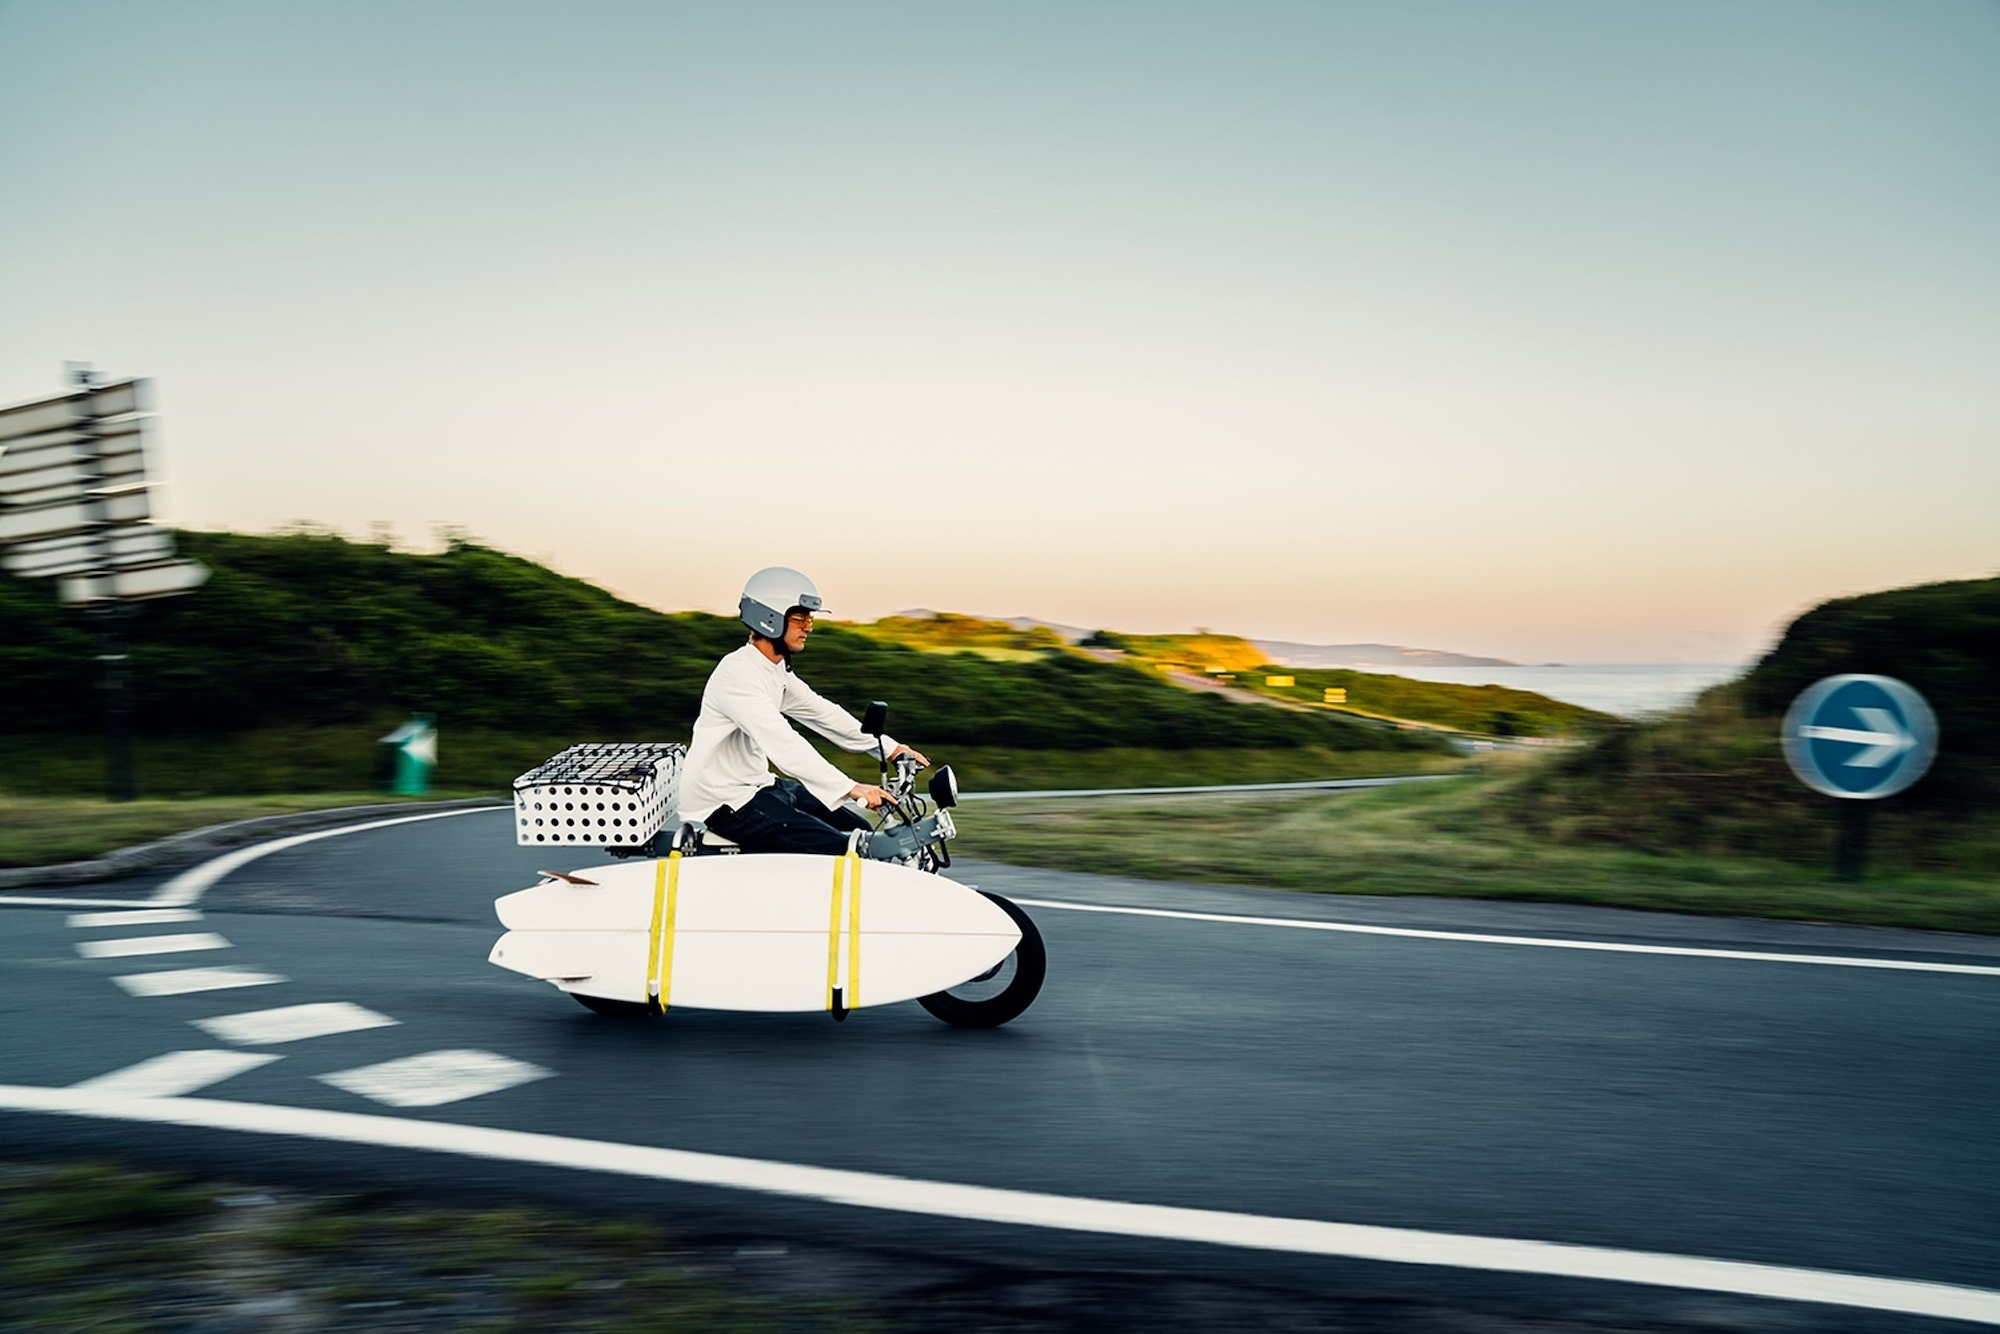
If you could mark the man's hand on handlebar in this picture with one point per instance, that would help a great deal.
(911, 751)
(868, 795)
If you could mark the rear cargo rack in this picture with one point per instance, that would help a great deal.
(609, 793)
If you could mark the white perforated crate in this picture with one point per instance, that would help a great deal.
(610, 794)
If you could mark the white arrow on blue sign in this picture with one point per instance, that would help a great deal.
(1859, 736)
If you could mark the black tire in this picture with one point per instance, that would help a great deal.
(614, 1009)
(990, 1003)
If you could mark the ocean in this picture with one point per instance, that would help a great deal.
(1629, 689)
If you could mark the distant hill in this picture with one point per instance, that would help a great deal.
(950, 632)
(1068, 634)
(1288, 654)
(308, 629)
(1369, 656)
(1205, 661)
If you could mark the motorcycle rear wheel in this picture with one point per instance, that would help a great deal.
(1001, 995)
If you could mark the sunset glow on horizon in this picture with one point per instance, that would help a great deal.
(1546, 331)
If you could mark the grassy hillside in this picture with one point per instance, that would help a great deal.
(1444, 839)
(1193, 653)
(1489, 710)
(1712, 779)
(950, 632)
(306, 635)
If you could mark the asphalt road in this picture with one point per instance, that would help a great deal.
(1815, 1116)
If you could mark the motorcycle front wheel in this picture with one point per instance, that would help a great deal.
(1002, 992)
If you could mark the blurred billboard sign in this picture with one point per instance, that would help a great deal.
(79, 553)
(134, 583)
(1859, 737)
(75, 504)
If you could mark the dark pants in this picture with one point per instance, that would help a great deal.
(784, 817)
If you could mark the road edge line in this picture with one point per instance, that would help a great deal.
(991, 1204)
(192, 844)
(186, 889)
(1541, 942)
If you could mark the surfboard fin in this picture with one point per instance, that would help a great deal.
(839, 1007)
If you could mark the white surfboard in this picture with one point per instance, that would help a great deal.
(767, 932)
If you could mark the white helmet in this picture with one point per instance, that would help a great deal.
(771, 594)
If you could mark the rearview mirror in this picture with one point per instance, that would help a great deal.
(876, 720)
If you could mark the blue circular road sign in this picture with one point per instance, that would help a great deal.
(1859, 736)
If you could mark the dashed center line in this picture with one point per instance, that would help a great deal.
(122, 949)
(184, 981)
(176, 1073)
(435, 1078)
(135, 917)
(292, 1023)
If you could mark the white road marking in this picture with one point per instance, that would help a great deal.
(435, 1078)
(943, 1199)
(135, 917)
(1611, 947)
(292, 1023)
(45, 901)
(174, 1074)
(183, 981)
(124, 949)
(187, 888)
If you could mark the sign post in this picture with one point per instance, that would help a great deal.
(1858, 739)
(75, 506)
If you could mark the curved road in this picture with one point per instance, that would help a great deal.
(1381, 1099)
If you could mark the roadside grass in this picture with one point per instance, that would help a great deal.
(257, 763)
(191, 783)
(1444, 839)
(99, 1246)
(41, 831)
(996, 769)
(473, 761)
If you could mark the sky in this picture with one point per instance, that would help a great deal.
(1545, 330)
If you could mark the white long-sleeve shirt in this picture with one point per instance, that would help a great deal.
(742, 732)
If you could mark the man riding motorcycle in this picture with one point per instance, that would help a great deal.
(742, 731)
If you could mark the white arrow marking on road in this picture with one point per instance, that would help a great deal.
(1885, 741)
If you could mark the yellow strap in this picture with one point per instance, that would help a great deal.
(653, 942)
(833, 931)
(854, 936)
(666, 956)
